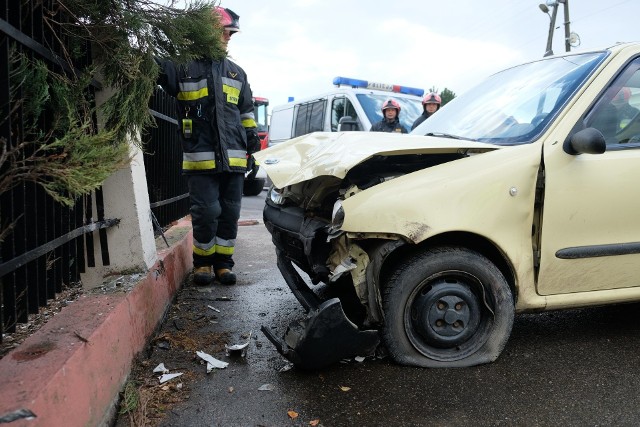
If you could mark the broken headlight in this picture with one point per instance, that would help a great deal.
(275, 195)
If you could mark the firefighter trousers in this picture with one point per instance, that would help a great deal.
(215, 209)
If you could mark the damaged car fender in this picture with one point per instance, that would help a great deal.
(488, 194)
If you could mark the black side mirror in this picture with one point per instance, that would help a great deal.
(347, 123)
(586, 141)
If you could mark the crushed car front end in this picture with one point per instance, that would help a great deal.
(304, 217)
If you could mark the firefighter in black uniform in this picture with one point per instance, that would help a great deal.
(217, 131)
(430, 104)
(390, 118)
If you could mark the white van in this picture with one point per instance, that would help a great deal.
(356, 99)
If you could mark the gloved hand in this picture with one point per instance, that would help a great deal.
(253, 141)
(252, 168)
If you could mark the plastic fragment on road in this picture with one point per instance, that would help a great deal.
(266, 387)
(286, 367)
(213, 308)
(168, 377)
(212, 362)
(359, 359)
(238, 349)
(161, 369)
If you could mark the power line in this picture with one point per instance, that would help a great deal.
(598, 12)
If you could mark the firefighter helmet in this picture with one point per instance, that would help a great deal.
(432, 98)
(622, 96)
(228, 18)
(390, 103)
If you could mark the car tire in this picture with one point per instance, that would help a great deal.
(253, 187)
(446, 307)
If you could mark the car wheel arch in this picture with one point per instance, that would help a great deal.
(385, 255)
(472, 241)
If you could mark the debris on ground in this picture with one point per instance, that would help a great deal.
(212, 362)
(238, 349)
(187, 329)
(168, 377)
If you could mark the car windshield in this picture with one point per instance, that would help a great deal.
(411, 108)
(515, 105)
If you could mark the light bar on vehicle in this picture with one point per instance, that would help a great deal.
(257, 100)
(377, 86)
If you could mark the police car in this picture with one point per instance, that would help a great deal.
(353, 104)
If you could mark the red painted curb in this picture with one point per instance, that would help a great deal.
(67, 381)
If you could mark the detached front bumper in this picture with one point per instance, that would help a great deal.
(325, 335)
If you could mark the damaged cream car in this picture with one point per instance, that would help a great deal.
(521, 195)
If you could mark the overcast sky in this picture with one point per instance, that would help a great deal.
(296, 47)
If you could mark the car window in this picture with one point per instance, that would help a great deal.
(309, 117)
(515, 105)
(341, 107)
(371, 103)
(616, 114)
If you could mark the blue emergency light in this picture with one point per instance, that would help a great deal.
(377, 86)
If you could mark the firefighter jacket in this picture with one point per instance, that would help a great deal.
(421, 118)
(385, 126)
(216, 123)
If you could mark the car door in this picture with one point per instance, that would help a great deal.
(590, 236)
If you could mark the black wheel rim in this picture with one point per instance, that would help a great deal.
(445, 317)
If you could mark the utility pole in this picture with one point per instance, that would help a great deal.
(567, 30)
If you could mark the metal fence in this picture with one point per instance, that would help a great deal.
(44, 244)
(168, 191)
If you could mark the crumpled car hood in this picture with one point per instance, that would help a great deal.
(335, 153)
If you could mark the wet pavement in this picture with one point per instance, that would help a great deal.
(576, 368)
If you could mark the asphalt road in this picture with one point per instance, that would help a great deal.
(572, 368)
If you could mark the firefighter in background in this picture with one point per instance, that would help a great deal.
(217, 131)
(430, 104)
(626, 112)
(390, 118)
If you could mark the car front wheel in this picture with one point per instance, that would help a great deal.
(446, 307)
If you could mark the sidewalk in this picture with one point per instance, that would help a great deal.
(70, 372)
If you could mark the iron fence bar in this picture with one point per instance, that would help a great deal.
(7, 300)
(102, 233)
(168, 201)
(27, 41)
(21, 260)
(163, 116)
(78, 213)
(88, 211)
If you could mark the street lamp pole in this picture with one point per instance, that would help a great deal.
(552, 24)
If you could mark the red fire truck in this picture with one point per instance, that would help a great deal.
(260, 105)
(255, 181)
